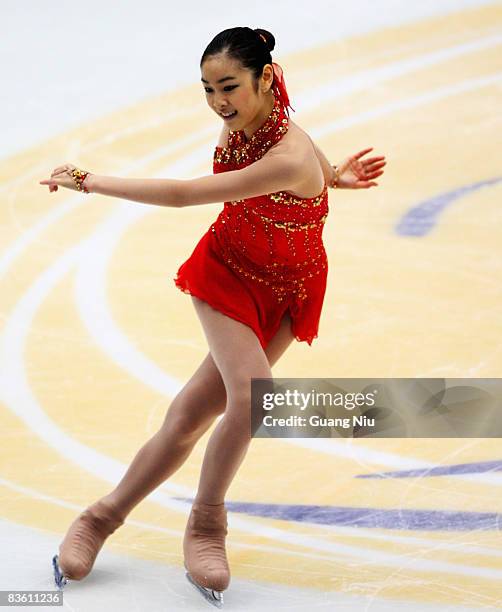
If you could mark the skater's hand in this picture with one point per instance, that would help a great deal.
(61, 177)
(355, 174)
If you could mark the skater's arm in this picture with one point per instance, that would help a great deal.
(161, 192)
(277, 171)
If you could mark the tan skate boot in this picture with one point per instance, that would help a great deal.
(204, 551)
(83, 541)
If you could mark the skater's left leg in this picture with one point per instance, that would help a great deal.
(238, 356)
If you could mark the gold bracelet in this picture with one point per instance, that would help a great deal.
(334, 182)
(79, 177)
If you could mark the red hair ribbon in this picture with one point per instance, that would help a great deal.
(279, 87)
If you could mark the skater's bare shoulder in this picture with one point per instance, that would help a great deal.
(297, 145)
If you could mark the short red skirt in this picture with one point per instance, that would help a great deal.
(207, 276)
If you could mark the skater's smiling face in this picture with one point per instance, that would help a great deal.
(230, 88)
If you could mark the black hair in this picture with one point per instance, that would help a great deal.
(245, 46)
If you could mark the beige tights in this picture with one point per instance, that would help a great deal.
(158, 459)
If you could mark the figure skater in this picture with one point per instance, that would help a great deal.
(257, 279)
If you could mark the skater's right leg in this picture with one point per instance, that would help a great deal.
(190, 414)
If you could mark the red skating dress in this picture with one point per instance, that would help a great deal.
(262, 255)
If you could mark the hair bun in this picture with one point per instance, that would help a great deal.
(267, 38)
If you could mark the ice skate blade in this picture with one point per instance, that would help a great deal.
(59, 577)
(215, 598)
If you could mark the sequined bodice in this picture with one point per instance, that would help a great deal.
(275, 238)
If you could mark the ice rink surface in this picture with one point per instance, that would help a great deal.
(95, 340)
